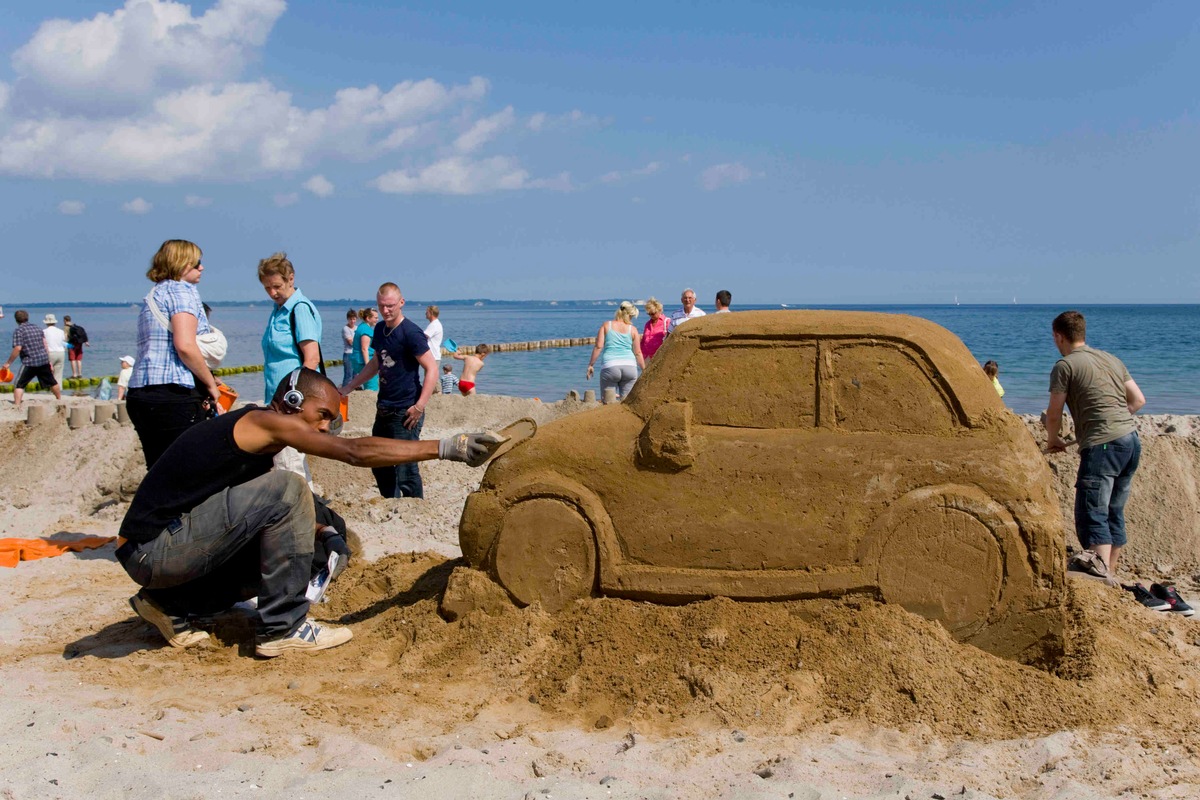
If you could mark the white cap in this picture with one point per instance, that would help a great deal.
(127, 360)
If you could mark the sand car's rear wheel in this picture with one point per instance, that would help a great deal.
(546, 553)
(942, 558)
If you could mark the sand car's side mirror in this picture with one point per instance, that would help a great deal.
(665, 443)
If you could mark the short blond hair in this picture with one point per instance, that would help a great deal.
(653, 306)
(276, 264)
(174, 258)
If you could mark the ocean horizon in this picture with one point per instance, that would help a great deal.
(1017, 336)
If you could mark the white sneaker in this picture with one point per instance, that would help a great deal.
(309, 637)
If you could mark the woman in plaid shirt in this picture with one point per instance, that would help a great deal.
(171, 388)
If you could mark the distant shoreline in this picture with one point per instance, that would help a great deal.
(613, 301)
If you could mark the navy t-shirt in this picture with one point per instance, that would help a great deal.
(399, 370)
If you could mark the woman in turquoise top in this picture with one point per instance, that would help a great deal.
(363, 352)
(621, 345)
(285, 347)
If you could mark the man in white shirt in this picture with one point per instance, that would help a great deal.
(689, 310)
(433, 332)
(56, 345)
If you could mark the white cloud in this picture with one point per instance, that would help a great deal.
(484, 130)
(542, 121)
(720, 175)
(71, 207)
(288, 199)
(616, 176)
(137, 206)
(129, 57)
(456, 175)
(319, 185)
(196, 201)
(155, 91)
(559, 183)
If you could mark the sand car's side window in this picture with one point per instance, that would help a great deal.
(883, 387)
(751, 384)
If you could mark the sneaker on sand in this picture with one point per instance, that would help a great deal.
(309, 637)
(1169, 595)
(1090, 565)
(175, 630)
(1145, 598)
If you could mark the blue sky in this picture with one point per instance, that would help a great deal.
(794, 152)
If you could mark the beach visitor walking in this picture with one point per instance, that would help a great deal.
(172, 388)
(472, 363)
(364, 353)
(723, 301)
(77, 339)
(619, 348)
(293, 334)
(688, 310)
(212, 524)
(655, 331)
(434, 335)
(992, 369)
(401, 352)
(348, 345)
(56, 346)
(1103, 398)
(29, 345)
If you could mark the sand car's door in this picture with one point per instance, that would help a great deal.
(754, 501)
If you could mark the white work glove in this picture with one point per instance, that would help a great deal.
(471, 448)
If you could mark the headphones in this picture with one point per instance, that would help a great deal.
(293, 398)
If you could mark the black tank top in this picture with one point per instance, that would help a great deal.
(204, 460)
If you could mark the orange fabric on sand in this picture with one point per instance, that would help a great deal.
(13, 551)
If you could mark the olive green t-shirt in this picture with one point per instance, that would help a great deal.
(1094, 383)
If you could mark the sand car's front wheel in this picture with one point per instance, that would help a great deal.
(546, 553)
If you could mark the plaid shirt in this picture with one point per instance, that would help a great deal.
(32, 341)
(157, 362)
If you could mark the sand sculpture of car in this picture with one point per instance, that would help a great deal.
(772, 455)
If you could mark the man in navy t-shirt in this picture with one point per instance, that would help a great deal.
(401, 351)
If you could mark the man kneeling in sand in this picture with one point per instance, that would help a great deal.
(212, 525)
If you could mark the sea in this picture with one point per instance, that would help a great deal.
(1159, 343)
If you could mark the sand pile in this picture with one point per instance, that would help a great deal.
(712, 699)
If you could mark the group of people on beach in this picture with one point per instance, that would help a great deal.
(44, 352)
(622, 351)
(217, 520)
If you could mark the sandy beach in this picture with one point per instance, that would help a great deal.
(608, 699)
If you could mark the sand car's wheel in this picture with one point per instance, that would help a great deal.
(943, 556)
(546, 553)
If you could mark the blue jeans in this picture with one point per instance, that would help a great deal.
(347, 369)
(1102, 489)
(402, 480)
(255, 538)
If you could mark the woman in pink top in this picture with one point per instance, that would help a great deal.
(655, 331)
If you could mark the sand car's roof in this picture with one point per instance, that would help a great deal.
(946, 353)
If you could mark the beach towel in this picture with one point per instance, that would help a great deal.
(13, 551)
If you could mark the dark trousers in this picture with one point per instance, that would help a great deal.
(160, 413)
(402, 480)
(252, 539)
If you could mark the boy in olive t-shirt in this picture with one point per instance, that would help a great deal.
(1103, 398)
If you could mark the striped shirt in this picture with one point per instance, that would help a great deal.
(32, 341)
(157, 361)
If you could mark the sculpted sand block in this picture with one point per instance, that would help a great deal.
(790, 454)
